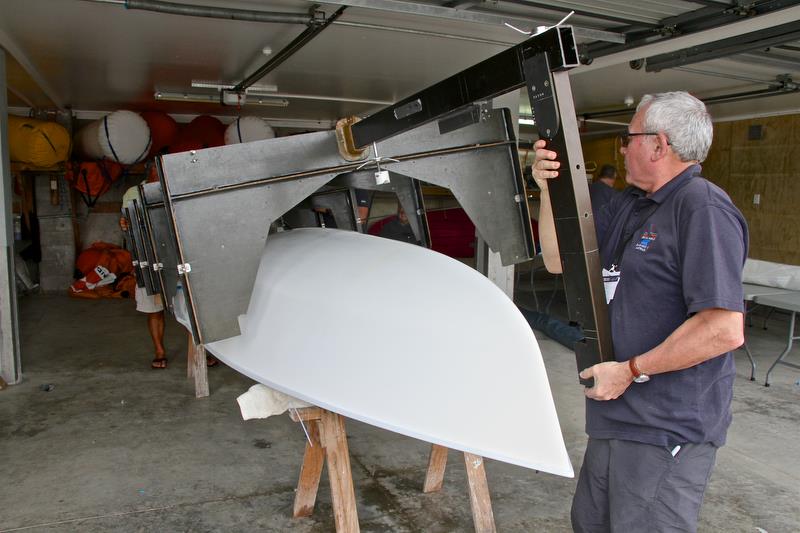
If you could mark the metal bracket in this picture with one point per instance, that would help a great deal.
(184, 268)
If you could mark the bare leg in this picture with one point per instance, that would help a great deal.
(155, 325)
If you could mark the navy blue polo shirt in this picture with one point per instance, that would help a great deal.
(686, 256)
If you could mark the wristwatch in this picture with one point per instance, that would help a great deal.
(638, 375)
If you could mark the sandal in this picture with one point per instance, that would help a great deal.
(159, 363)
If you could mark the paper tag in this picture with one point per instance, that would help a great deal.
(610, 281)
(382, 177)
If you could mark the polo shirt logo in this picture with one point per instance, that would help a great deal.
(645, 240)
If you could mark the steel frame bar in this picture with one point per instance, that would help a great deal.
(488, 79)
(540, 64)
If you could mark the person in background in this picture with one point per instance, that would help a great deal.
(153, 305)
(601, 190)
(673, 248)
(399, 228)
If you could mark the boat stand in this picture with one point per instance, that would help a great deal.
(196, 368)
(327, 439)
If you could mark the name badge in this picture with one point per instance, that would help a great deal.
(610, 281)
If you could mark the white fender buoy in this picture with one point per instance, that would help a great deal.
(123, 137)
(248, 129)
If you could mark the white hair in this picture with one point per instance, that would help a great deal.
(683, 119)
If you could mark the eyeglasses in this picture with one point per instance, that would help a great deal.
(625, 138)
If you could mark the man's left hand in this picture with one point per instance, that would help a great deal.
(611, 379)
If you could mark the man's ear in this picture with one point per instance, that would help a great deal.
(661, 148)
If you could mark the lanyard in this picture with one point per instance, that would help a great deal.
(626, 236)
(646, 214)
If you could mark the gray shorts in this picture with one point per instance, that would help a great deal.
(628, 487)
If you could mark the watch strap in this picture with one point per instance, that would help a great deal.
(634, 368)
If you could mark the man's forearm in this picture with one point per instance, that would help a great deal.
(707, 334)
(547, 233)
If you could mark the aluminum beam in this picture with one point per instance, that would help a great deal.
(490, 78)
(428, 10)
(541, 64)
(725, 47)
(760, 22)
(16, 52)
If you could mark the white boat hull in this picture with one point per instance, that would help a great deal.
(402, 338)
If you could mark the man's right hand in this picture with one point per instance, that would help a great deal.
(123, 224)
(545, 166)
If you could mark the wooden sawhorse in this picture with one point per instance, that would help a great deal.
(328, 440)
(196, 368)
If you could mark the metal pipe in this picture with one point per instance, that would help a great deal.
(423, 32)
(723, 75)
(775, 90)
(299, 42)
(212, 12)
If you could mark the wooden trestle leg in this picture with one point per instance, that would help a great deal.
(479, 499)
(327, 436)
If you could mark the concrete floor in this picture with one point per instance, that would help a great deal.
(115, 446)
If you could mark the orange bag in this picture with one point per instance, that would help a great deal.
(93, 178)
(104, 266)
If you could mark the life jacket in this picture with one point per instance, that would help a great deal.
(103, 265)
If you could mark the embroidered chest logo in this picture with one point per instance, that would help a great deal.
(645, 240)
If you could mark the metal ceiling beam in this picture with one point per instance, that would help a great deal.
(725, 47)
(299, 42)
(779, 88)
(247, 15)
(583, 13)
(10, 46)
(706, 18)
(786, 63)
(428, 10)
(758, 23)
(708, 2)
(424, 32)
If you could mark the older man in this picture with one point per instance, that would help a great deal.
(673, 247)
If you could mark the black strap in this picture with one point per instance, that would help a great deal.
(622, 245)
(108, 138)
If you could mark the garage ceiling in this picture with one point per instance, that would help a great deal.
(96, 56)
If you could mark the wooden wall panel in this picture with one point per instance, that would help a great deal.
(601, 151)
(768, 166)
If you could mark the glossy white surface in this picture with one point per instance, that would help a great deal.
(402, 338)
